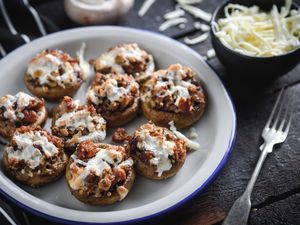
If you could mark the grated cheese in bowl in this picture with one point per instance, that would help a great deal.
(251, 31)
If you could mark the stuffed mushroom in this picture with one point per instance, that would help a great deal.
(100, 174)
(157, 152)
(126, 58)
(20, 109)
(53, 74)
(175, 95)
(75, 123)
(34, 157)
(116, 97)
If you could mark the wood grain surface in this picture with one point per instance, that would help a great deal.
(276, 196)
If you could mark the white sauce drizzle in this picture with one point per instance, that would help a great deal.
(189, 143)
(160, 147)
(177, 85)
(84, 65)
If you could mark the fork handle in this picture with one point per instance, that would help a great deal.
(267, 148)
(240, 210)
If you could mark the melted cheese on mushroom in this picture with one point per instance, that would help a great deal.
(128, 51)
(170, 82)
(14, 104)
(46, 68)
(160, 147)
(28, 151)
(111, 91)
(82, 118)
(104, 160)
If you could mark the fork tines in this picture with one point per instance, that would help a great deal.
(280, 118)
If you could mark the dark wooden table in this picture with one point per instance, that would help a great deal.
(276, 196)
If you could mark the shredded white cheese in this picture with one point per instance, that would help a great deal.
(182, 26)
(171, 23)
(145, 7)
(189, 143)
(197, 40)
(196, 12)
(189, 2)
(174, 14)
(175, 18)
(201, 26)
(250, 31)
(210, 53)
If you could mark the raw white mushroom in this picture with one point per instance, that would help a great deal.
(97, 11)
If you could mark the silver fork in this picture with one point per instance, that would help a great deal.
(274, 132)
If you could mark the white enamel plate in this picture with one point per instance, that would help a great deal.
(216, 131)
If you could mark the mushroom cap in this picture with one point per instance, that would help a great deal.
(97, 11)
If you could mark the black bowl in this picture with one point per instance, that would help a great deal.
(244, 67)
